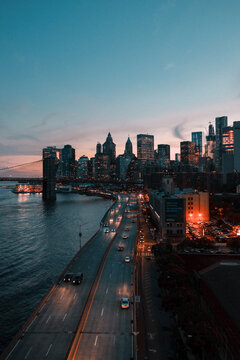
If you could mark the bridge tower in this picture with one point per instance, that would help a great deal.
(49, 178)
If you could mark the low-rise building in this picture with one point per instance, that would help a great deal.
(197, 205)
(170, 213)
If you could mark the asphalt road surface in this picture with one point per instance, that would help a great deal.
(108, 330)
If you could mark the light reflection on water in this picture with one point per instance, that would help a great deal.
(37, 240)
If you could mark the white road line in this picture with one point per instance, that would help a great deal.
(48, 350)
(28, 353)
(107, 291)
(102, 311)
(75, 296)
(64, 317)
(42, 307)
(110, 275)
(61, 297)
(96, 340)
(48, 319)
(12, 350)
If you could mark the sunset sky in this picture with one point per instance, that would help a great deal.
(73, 70)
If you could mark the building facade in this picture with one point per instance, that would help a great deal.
(221, 123)
(197, 139)
(188, 153)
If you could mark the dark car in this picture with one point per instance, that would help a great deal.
(77, 279)
(68, 277)
(120, 248)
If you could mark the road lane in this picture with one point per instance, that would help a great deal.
(108, 334)
(51, 331)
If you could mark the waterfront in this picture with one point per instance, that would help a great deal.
(36, 243)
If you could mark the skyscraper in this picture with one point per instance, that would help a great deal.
(98, 148)
(210, 142)
(236, 132)
(188, 154)
(197, 139)
(109, 148)
(83, 167)
(221, 122)
(227, 151)
(128, 147)
(145, 148)
(163, 154)
(68, 165)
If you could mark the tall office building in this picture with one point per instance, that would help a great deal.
(188, 155)
(221, 123)
(98, 148)
(236, 132)
(128, 148)
(164, 152)
(210, 142)
(109, 148)
(145, 148)
(83, 167)
(197, 139)
(227, 139)
(68, 164)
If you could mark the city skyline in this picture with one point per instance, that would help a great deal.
(75, 71)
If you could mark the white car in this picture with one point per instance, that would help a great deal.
(124, 303)
(127, 259)
(124, 236)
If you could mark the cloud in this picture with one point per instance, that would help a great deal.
(22, 137)
(177, 131)
(44, 121)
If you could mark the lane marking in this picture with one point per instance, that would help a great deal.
(64, 317)
(28, 353)
(42, 307)
(110, 275)
(48, 319)
(61, 297)
(102, 311)
(96, 340)
(48, 350)
(30, 324)
(12, 349)
(107, 291)
(75, 296)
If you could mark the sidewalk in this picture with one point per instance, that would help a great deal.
(157, 329)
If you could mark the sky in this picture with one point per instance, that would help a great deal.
(71, 71)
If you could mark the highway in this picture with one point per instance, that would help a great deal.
(107, 332)
(52, 330)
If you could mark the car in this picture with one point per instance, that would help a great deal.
(113, 230)
(148, 257)
(120, 248)
(124, 303)
(133, 220)
(124, 236)
(106, 230)
(68, 277)
(77, 279)
(105, 225)
(127, 259)
(127, 228)
(149, 249)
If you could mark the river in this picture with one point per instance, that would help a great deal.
(37, 240)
